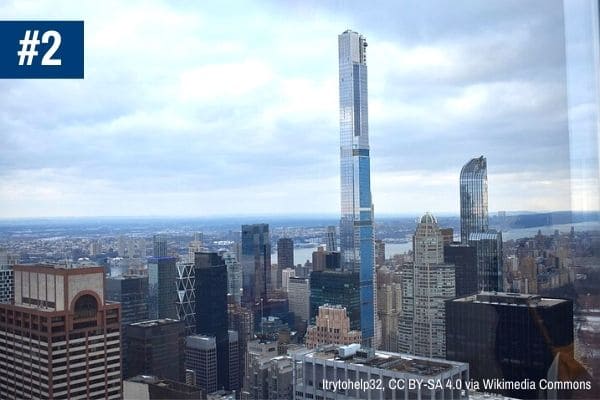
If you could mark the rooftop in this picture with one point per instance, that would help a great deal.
(385, 360)
(156, 322)
(512, 299)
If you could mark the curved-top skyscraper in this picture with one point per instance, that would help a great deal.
(473, 198)
(356, 224)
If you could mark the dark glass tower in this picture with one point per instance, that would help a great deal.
(356, 224)
(162, 287)
(488, 253)
(473, 198)
(132, 292)
(511, 337)
(159, 246)
(336, 288)
(464, 259)
(157, 347)
(256, 263)
(285, 253)
(211, 307)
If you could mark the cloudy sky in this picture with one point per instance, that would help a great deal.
(231, 107)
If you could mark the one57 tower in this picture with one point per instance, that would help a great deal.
(356, 224)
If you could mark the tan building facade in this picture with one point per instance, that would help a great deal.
(332, 327)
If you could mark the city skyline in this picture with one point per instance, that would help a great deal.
(249, 112)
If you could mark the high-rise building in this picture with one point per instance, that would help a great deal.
(473, 198)
(356, 224)
(285, 253)
(241, 320)
(196, 245)
(488, 251)
(132, 292)
(425, 286)
(464, 259)
(510, 337)
(211, 308)
(201, 357)
(234, 276)
(389, 303)
(299, 299)
(379, 252)
(162, 287)
(159, 245)
(324, 259)
(332, 326)
(256, 263)
(316, 370)
(186, 295)
(268, 374)
(447, 235)
(336, 288)
(60, 339)
(6, 284)
(234, 361)
(286, 274)
(330, 242)
(157, 347)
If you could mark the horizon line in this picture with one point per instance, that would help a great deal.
(290, 215)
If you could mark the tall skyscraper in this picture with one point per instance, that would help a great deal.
(60, 339)
(464, 259)
(162, 287)
(336, 288)
(132, 292)
(285, 253)
(256, 263)
(201, 357)
(488, 251)
(473, 198)
(298, 297)
(356, 223)
(330, 242)
(234, 276)
(186, 294)
(425, 287)
(211, 308)
(159, 244)
(325, 259)
(241, 320)
(379, 253)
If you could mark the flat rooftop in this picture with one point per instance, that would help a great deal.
(510, 299)
(388, 361)
(155, 322)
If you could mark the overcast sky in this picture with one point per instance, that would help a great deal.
(189, 108)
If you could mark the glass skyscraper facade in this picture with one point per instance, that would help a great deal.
(256, 263)
(488, 250)
(162, 287)
(473, 198)
(356, 224)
